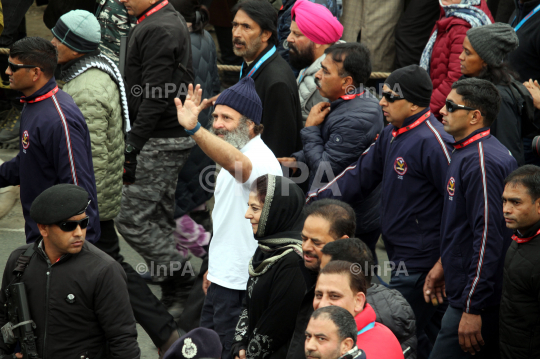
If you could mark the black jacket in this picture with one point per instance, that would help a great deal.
(282, 119)
(507, 126)
(296, 347)
(100, 312)
(524, 59)
(519, 328)
(156, 47)
(394, 311)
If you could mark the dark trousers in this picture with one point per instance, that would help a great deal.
(221, 310)
(428, 317)
(149, 312)
(447, 344)
(14, 12)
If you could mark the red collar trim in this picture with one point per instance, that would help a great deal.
(472, 139)
(424, 117)
(524, 240)
(153, 11)
(350, 97)
(42, 97)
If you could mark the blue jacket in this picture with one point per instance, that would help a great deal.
(474, 237)
(411, 168)
(350, 127)
(55, 148)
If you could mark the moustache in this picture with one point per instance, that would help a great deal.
(311, 254)
(292, 48)
(317, 83)
(239, 42)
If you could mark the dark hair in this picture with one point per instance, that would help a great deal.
(501, 74)
(194, 13)
(340, 215)
(357, 280)
(480, 94)
(260, 186)
(529, 177)
(352, 250)
(342, 319)
(257, 129)
(263, 14)
(36, 51)
(355, 60)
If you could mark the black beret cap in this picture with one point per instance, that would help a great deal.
(412, 83)
(59, 203)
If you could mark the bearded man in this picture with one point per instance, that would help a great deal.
(254, 39)
(313, 30)
(235, 144)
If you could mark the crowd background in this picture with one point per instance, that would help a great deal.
(451, 41)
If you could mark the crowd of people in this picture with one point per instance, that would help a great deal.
(282, 179)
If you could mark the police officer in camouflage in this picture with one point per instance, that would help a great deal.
(115, 22)
(158, 68)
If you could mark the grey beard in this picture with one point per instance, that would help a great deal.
(238, 138)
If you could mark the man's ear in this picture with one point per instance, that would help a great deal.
(43, 230)
(477, 118)
(346, 345)
(347, 83)
(360, 302)
(344, 236)
(37, 74)
(266, 35)
(537, 204)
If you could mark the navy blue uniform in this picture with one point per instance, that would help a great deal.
(473, 231)
(55, 148)
(411, 168)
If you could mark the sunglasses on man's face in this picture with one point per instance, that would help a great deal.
(15, 67)
(70, 226)
(451, 106)
(390, 97)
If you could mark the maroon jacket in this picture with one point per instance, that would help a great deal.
(445, 67)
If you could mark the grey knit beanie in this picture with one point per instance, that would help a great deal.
(493, 42)
(79, 30)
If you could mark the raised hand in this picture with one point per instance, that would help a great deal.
(188, 114)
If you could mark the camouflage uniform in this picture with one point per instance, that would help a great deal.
(115, 22)
(146, 219)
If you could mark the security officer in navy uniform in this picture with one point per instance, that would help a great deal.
(77, 294)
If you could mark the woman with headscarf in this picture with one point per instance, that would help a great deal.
(484, 53)
(276, 286)
(441, 54)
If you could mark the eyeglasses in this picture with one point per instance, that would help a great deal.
(390, 97)
(70, 226)
(15, 67)
(451, 106)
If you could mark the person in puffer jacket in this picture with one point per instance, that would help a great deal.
(313, 30)
(440, 57)
(391, 308)
(337, 133)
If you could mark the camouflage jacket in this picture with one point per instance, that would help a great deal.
(115, 22)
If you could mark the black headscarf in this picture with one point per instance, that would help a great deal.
(281, 221)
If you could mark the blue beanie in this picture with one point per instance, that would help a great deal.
(79, 30)
(243, 98)
(199, 343)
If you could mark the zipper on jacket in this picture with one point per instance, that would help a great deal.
(49, 271)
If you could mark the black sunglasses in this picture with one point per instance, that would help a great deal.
(15, 67)
(70, 226)
(451, 106)
(390, 97)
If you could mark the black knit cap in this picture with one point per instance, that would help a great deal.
(411, 83)
(58, 203)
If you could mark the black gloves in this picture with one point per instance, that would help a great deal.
(130, 164)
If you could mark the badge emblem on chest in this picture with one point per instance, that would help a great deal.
(400, 166)
(25, 140)
(189, 350)
(451, 187)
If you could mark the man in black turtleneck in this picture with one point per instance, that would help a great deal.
(525, 60)
(520, 304)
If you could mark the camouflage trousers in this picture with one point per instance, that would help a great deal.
(146, 218)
